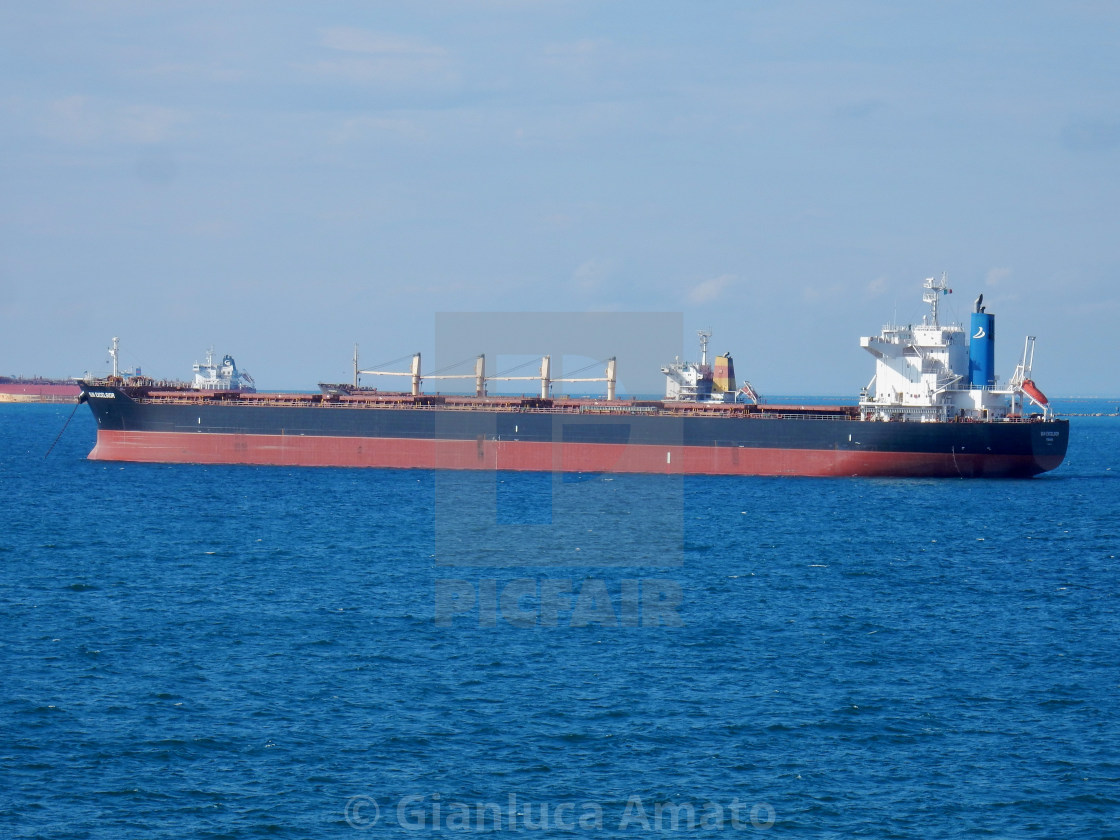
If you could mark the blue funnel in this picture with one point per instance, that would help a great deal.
(982, 351)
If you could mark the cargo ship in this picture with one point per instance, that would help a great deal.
(933, 409)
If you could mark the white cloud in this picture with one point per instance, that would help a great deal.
(591, 275)
(352, 39)
(576, 52)
(708, 290)
(72, 119)
(149, 123)
(996, 275)
(877, 286)
(823, 293)
(197, 72)
(364, 128)
(80, 120)
(378, 58)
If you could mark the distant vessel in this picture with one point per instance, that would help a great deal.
(38, 389)
(933, 408)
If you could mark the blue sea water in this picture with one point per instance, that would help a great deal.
(234, 652)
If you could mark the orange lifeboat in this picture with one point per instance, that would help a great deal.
(1031, 390)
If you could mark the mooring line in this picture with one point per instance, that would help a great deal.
(64, 425)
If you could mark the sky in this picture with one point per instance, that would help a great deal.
(282, 180)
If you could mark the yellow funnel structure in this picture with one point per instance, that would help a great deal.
(723, 374)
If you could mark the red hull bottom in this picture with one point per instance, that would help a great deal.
(397, 453)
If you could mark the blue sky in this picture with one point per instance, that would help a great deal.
(281, 180)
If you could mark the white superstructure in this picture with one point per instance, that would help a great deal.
(690, 381)
(704, 382)
(209, 376)
(937, 372)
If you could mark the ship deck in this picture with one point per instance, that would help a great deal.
(523, 404)
(504, 403)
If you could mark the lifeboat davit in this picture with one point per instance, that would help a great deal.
(1031, 390)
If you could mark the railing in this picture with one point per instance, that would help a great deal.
(313, 401)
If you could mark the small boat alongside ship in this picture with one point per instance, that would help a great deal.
(933, 408)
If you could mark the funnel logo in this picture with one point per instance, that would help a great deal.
(980, 333)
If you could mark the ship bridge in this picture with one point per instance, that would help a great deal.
(936, 372)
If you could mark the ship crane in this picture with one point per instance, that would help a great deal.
(545, 377)
(414, 372)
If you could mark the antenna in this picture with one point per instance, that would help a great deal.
(704, 336)
(933, 289)
(114, 352)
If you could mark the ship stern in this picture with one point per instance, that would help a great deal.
(1049, 441)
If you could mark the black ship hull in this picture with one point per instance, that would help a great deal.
(577, 436)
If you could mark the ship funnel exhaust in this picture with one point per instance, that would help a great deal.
(723, 376)
(982, 350)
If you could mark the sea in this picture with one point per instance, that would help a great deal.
(241, 652)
